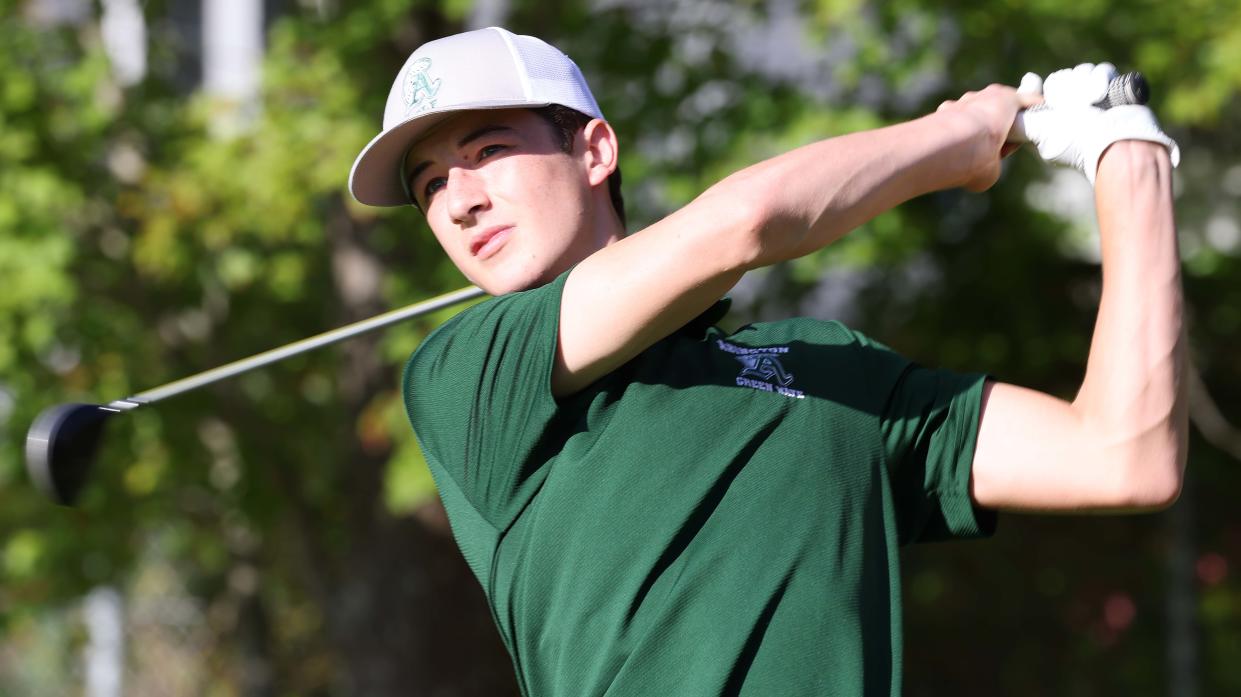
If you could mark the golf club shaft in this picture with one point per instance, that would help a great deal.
(277, 354)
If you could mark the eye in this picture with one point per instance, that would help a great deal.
(434, 184)
(489, 150)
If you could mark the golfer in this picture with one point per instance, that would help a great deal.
(656, 507)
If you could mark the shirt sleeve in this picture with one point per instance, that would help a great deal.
(928, 422)
(478, 395)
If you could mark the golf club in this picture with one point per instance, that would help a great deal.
(63, 439)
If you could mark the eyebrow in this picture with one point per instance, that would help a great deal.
(465, 140)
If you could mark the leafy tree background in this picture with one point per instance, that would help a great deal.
(279, 534)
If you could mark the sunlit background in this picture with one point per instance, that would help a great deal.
(172, 197)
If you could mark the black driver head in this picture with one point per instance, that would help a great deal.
(60, 448)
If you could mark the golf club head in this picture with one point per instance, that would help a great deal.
(60, 448)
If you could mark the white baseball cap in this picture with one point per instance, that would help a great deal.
(488, 68)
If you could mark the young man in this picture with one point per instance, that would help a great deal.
(655, 507)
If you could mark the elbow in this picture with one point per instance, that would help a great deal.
(1151, 491)
(745, 221)
(1154, 474)
(1142, 454)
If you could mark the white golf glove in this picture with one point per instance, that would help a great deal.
(1070, 130)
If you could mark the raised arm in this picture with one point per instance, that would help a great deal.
(629, 295)
(1121, 444)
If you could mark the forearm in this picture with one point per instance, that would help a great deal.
(629, 294)
(1133, 394)
(811, 196)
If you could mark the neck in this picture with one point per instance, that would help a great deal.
(606, 224)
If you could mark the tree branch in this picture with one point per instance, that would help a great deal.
(1207, 417)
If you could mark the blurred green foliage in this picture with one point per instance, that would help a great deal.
(138, 245)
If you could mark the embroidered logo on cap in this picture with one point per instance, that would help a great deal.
(419, 89)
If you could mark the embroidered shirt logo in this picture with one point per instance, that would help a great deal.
(419, 89)
(761, 368)
(764, 367)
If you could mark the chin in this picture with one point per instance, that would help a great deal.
(513, 272)
(501, 285)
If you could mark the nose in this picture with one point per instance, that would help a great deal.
(466, 194)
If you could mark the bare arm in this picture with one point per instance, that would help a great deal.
(1121, 444)
(633, 293)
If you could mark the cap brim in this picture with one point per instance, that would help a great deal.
(375, 179)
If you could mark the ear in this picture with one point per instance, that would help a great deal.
(602, 151)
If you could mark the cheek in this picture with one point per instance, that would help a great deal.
(447, 236)
(537, 174)
(549, 192)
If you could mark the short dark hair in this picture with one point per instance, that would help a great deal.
(566, 123)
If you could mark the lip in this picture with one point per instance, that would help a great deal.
(487, 242)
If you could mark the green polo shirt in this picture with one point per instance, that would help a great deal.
(719, 516)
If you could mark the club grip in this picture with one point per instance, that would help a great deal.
(1130, 88)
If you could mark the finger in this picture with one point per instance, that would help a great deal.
(945, 104)
(1107, 70)
(1029, 99)
(1053, 86)
(1031, 83)
(1101, 77)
